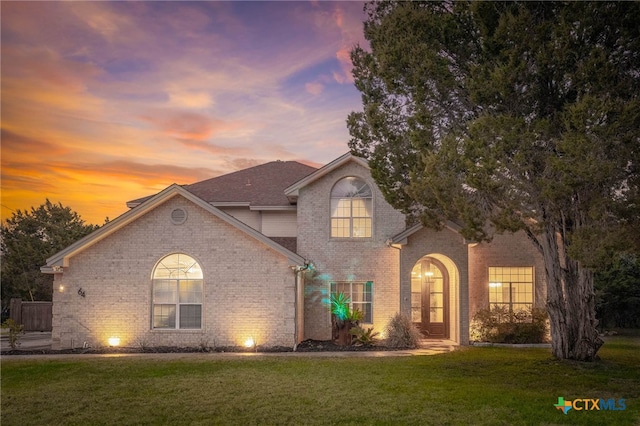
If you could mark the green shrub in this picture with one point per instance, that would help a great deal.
(402, 333)
(343, 319)
(362, 337)
(499, 325)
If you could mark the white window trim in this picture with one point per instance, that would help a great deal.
(351, 218)
(177, 304)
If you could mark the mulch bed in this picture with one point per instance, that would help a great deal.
(305, 346)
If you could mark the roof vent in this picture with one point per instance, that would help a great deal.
(178, 216)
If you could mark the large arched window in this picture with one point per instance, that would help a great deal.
(351, 208)
(177, 293)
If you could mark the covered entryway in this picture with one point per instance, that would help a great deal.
(430, 297)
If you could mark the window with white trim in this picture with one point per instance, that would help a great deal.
(177, 293)
(360, 294)
(351, 208)
(511, 287)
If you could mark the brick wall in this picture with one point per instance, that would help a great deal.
(249, 289)
(505, 250)
(336, 259)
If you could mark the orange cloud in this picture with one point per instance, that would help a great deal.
(90, 188)
(104, 102)
(186, 125)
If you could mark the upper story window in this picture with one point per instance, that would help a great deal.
(351, 208)
(177, 293)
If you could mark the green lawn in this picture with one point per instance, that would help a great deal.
(471, 386)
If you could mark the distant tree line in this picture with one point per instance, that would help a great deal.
(618, 293)
(27, 239)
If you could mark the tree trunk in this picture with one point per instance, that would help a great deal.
(570, 302)
(340, 331)
(344, 337)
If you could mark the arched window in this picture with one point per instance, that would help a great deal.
(351, 209)
(177, 293)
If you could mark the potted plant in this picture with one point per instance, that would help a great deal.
(343, 319)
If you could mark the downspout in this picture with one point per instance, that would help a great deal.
(299, 271)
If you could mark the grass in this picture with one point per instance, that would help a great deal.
(471, 386)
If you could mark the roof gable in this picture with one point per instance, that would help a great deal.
(61, 259)
(292, 191)
(402, 238)
(258, 186)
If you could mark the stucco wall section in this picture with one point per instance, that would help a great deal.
(504, 250)
(249, 289)
(342, 259)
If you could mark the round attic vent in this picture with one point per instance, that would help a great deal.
(178, 216)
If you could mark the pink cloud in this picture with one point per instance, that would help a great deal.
(314, 88)
(215, 149)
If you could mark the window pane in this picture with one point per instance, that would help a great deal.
(351, 187)
(164, 291)
(366, 310)
(162, 272)
(191, 291)
(193, 271)
(341, 288)
(164, 316)
(495, 292)
(340, 228)
(368, 291)
(357, 292)
(436, 300)
(361, 207)
(416, 307)
(178, 266)
(437, 285)
(190, 316)
(341, 207)
(361, 228)
(436, 315)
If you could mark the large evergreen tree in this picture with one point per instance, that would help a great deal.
(27, 239)
(511, 116)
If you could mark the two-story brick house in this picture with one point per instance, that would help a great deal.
(255, 255)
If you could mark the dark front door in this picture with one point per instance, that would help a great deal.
(430, 298)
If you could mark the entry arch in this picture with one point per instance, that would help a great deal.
(435, 283)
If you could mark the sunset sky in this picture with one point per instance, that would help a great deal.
(105, 102)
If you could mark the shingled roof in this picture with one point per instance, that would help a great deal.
(259, 186)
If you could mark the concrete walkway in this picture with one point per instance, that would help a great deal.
(29, 341)
(33, 341)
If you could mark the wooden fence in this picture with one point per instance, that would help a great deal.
(35, 316)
